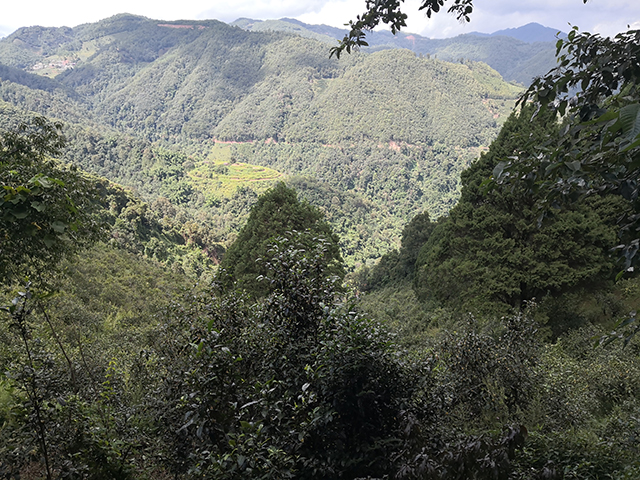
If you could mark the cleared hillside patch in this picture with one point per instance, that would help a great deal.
(219, 176)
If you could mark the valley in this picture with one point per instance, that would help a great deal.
(186, 88)
(227, 254)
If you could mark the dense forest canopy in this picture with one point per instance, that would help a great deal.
(490, 249)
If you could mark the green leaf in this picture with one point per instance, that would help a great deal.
(20, 212)
(49, 240)
(576, 165)
(499, 168)
(38, 206)
(40, 180)
(249, 404)
(631, 146)
(58, 226)
(630, 120)
(606, 117)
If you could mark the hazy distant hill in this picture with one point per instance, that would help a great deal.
(531, 32)
(524, 53)
(376, 137)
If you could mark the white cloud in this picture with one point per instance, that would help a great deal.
(335, 13)
(230, 10)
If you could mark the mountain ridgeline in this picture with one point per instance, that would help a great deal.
(518, 54)
(387, 131)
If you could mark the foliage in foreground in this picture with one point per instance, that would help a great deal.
(45, 207)
(301, 385)
(595, 86)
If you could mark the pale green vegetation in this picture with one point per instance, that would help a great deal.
(219, 177)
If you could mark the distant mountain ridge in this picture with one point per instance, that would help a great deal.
(530, 33)
(518, 54)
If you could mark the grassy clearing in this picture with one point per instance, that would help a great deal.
(218, 177)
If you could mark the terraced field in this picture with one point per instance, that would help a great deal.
(219, 177)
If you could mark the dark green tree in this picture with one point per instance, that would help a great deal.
(599, 150)
(491, 253)
(278, 213)
(595, 85)
(293, 385)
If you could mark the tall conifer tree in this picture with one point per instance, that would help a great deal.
(278, 213)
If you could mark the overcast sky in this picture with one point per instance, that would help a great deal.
(607, 17)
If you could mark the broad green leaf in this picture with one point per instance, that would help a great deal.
(630, 120)
(49, 240)
(38, 206)
(551, 167)
(576, 165)
(40, 181)
(58, 226)
(20, 212)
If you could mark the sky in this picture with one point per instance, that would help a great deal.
(606, 17)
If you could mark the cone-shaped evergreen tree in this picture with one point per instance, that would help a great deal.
(278, 212)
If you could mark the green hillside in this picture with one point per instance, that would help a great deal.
(515, 59)
(389, 129)
(225, 255)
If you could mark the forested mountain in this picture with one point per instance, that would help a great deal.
(388, 131)
(518, 54)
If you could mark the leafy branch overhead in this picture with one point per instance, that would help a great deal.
(388, 12)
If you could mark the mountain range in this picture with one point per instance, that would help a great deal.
(518, 54)
(531, 32)
(203, 113)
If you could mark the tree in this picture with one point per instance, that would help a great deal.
(388, 12)
(294, 385)
(278, 212)
(490, 254)
(595, 86)
(45, 207)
